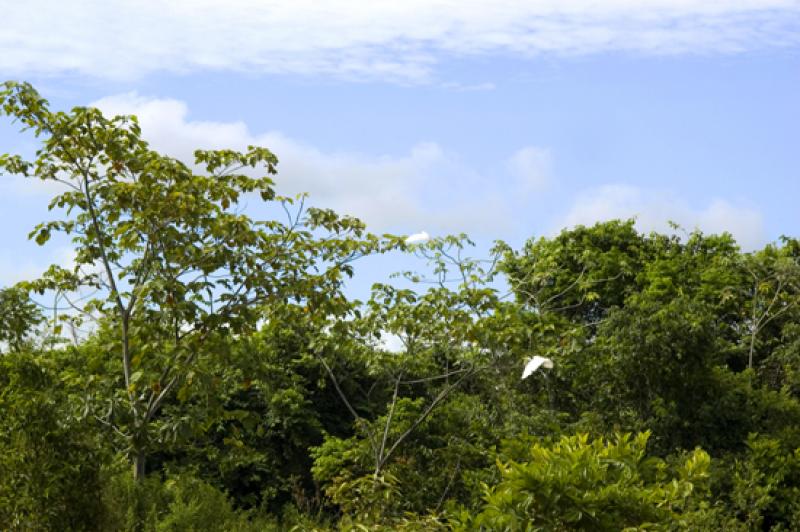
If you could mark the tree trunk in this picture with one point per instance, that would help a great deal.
(139, 459)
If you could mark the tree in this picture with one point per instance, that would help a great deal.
(581, 273)
(432, 399)
(775, 276)
(665, 345)
(18, 317)
(174, 263)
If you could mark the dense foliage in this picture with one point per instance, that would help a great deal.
(207, 370)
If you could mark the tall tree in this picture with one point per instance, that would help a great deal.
(173, 260)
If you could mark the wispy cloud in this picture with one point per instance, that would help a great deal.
(367, 39)
(654, 209)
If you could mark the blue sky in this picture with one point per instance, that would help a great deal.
(503, 119)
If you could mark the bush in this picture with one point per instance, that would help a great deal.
(181, 503)
(577, 484)
(49, 464)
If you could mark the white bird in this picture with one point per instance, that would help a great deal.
(418, 237)
(536, 363)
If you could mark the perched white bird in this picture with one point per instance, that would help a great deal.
(536, 363)
(418, 237)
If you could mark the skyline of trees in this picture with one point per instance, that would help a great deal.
(228, 381)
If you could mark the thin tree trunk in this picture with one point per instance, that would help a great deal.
(139, 460)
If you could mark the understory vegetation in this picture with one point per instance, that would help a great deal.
(196, 368)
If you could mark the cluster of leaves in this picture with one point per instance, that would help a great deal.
(19, 317)
(223, 363)
(575, 484)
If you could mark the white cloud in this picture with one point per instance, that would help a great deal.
(425, 187)
(13, 271)
(373, 39)
(532, 167)
(654, 209)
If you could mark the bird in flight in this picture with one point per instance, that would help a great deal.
(536, 363)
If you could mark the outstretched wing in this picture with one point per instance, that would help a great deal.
(536, 363)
